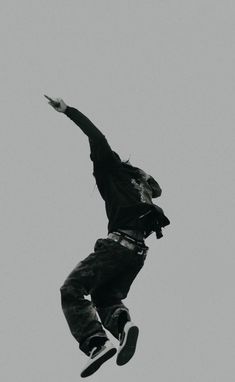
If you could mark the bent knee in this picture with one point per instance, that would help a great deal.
(72, 290)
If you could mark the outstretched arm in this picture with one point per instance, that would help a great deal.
(77, 117)
(100, 149)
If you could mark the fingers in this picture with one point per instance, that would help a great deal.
(52, 102)
(58, 104)
(50, 99)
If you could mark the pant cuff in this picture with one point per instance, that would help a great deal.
(85, 345)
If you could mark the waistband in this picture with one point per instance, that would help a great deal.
(129, 243)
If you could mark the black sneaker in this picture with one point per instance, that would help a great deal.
(98, 356)
(127, 345)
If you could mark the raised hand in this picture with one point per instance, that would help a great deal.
(58, 104)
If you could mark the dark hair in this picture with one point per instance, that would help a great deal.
(132, 170)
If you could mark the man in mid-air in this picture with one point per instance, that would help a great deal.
(107, 273)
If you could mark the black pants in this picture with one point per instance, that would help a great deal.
(106, 275)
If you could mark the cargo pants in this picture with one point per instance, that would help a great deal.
(106, 275)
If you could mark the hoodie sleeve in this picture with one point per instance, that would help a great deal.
(101, 151)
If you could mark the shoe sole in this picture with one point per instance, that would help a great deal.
(128, 350)
(96, 364)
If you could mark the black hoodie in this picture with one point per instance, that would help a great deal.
(127, 194)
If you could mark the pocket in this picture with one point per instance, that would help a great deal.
(140, 259)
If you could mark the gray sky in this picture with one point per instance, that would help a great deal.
(157, 77)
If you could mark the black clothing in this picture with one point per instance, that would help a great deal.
(127, 195)
(106, 275)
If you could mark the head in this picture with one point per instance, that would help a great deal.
(152, 183)
(143, 177)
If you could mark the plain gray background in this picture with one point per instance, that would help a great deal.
(157, 77)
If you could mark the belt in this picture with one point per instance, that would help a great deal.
(128, 243)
